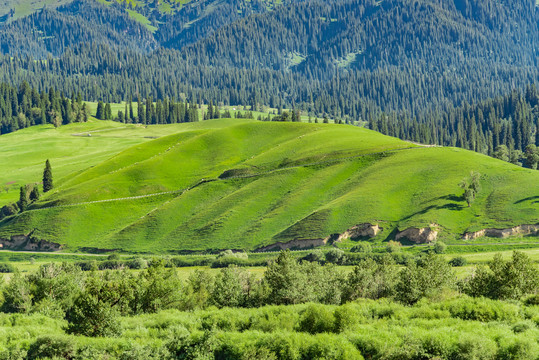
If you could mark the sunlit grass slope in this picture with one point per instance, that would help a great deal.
(244, 184)
(70, 148)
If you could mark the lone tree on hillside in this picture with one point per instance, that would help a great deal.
(47, 177)
(471, 187)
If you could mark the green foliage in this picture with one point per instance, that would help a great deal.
(7, 268)
(471, 187)
(57, 283)
(52, 347)
(423, 278)
(23, 199)
(371, 280)
(317, 319)
(458, 261)
(160, 288)
(286, 282)
(362, 247)
(335, 256)
(231, 287)
(17, 295)
(440, 247)
(393, 246)
(91, 316)
(34, 194)
(504, 279)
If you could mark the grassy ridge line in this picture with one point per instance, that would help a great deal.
(200, 182)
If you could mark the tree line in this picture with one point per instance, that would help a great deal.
(505, 127)
(23, 106)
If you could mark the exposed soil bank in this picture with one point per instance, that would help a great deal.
(521, 230)
(418, 235)
(29, 243)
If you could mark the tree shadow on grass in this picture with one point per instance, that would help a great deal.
(448, 206)
(531, 198)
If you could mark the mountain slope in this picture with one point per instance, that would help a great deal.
(245, 184)
(348, 58)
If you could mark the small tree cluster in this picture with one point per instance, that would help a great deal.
(471, 187)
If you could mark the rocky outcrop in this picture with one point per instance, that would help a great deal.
(418, 235)
(522, 230)
(360, 231)
(28, 243)
(294, 244)
(355, 233)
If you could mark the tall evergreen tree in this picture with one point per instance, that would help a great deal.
(23, 199)
(100, 114)
(47, 177)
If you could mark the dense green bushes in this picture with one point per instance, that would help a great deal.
(375, 329)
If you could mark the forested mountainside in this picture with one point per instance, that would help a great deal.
(340, 57)
(511, 121)
(414, 65)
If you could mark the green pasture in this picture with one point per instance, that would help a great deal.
(242, 184)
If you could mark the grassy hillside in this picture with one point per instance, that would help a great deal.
(243, 184)
(69, 149)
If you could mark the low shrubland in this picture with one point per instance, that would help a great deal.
(297, 310)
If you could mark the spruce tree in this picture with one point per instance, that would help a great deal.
(23, 199)
(47, 177)
(100, 114)
(34, 194)
(108, 112)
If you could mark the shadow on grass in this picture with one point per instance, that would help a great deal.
(448, 206)
(531, 198)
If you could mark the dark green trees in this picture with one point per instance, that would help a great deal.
(47, 177)
(100, 113)
(34, 194)
(23, 199)
(108, 112)
(532, 156)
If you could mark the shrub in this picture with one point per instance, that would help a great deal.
(335, 256)
(458, 261)
(87, 265)
(51, 347)
(315, 256)
(423, 278)
(362, 247)
(137, 264)
(111, 265)
(532, 300)
(504, 279)
(478, 348)
(393, 246)
(317, 319)
(7, 268)
(113, 257)
(440, 247)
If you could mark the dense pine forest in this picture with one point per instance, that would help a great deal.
(456, 73)
(24, 106)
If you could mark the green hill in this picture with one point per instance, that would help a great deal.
(244, 184)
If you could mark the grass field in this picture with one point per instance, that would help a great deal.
(303, 181)
(26, 7)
